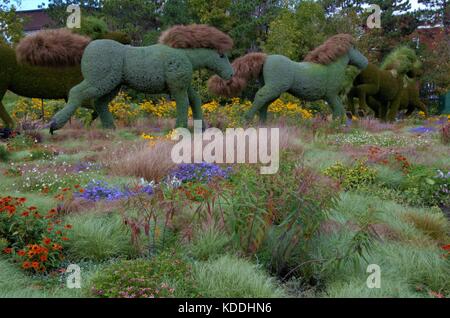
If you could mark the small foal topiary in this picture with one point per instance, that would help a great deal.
(162, 68)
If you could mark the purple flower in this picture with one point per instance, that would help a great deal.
(422, 130)
(100, 190)
(200, 172)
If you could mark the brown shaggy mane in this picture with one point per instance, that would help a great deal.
(52, 48)
(331, 50)
(246, 68)
(196, 36)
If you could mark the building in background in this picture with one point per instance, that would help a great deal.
(35, 20)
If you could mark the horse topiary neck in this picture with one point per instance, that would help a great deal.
(200, 58)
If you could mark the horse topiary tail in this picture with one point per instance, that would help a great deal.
(52, 48)
(246, 68)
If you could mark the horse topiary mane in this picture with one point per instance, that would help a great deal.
(246, 68)
(196, 36)
(403, 59)
(331, 50)
(52, 48)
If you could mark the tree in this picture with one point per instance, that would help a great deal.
(176, 12)
(134, 17)
(295, 33)
(436, 12)
(250, 22)
(57, 9)
(11, 27)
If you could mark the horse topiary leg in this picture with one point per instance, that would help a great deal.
(182, 99)
(102, 109)
(393, 109)
(363, 91)
(337, 106)
(196, 105)
(265, 96)
(6, 118)
(83, 91)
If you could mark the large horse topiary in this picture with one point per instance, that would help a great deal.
(390, 88)
(166, 67)
(320, 76)
(44, 65)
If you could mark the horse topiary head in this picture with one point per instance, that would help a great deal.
(404, 61)
(200, 36)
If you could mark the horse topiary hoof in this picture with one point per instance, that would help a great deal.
(53, 127)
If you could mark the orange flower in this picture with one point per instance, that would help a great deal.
(65, 238)
(26, 265)
(43, 258)
(7, 250)
(21, 253)
(31, 254)
(81, 191)
(68, 226)
(56, 247)
(35, 265)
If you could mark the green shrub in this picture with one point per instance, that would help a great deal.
(231, 277)
(97, 237)
(21, 142)
(208, 244)
(41, 154)
(165, 275)
(4, 153)
(352, 177)
(427, 186)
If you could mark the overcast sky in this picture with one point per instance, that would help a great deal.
(33, 4)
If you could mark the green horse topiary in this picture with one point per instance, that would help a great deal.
(320, 76)
(391, 88)
(165, 67)
(24, 71)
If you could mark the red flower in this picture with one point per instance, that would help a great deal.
(21, 253)
(68, 226)
(47, 241)
(25, 214)
(35, 265)
(22, 200)
(446, 247)
(43, 258)
(7, 250)
(65, 238)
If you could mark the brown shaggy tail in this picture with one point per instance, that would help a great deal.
(246, 68)
(52, 48)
